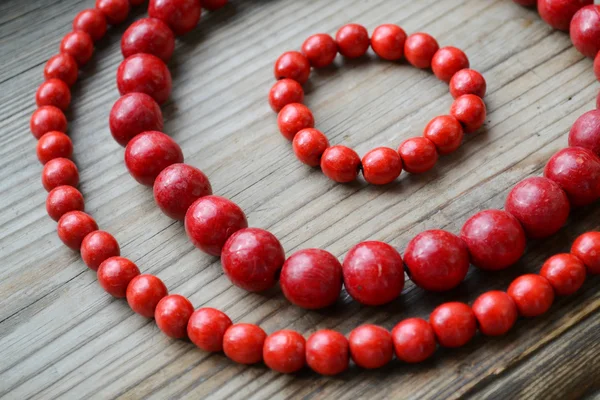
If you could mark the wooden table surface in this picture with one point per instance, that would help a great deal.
(62, 336)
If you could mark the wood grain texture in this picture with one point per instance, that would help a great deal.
(61, 336)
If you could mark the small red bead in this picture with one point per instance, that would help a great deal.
(54, 145)
(211, 220)
(587, 248)
(63, 67)
(447, 61)
(445, 132)
(419, 49)
(181, 15)
(59, 172)
(418, 155)
(585, 132)
(293, 118)
(381, 165)
(285, 351)
(252, 259)
(309, 145)
(53, 92)
(79, 45)
(115, 11)
(149, 153)
(172, 314)
(206, 328)
(92, 22)
(437, 260)
(565, 272)
(340, 163)
(133, 114)
(63, 199)
(150, 36)
(352, 40)
(46, 119)
(532, 294)
(98, 246)
(558, 13)
(467, 81)
(585, 30)
(388, 41)
(470, 110)
(414, 340)
(320, 50)
(454, 324)
(212, 5)
(327, 352)
(495, 239)
(284, 92)
(243, 343)
(371, 346)
(143, 294)
(496, 313)
(114, 275)
(311, 278)
(73, 227)
(373, 273)
(292, 65)
(144, 73)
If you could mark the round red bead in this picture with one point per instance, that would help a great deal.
(327, 352)
(79, 45)
(133, 114)
(46, 119)
(149, 153)
(114, 275)
(470, 111)
(292, 65)
(565, 272)
(585, 30)
(387, 41)
(206, 328)
(418, 155)
(115, 11)
(285, 351)
(320, 50)
(150, 36)
(447, 61)
(371, 346)
(454, 324)
(59, 172)
(467, 81)
(309, 145)
(340, 163)
(54, 145)
(496, 313)
(293, 118)
(284, 92)
(419, 49)
(243, 343)
(445, 132)
(352, 40)
(98, 246)
(63, 199)
(585, 132)
(181, 15)
(587, 248)
(143, 294)
(558, 13)
(73, 227)
(144, 73)
(172, 314)
(92, 22)
(414, 340)
(532, 294)
(381, 165)
(63, 67)
(212, 5)
(53, 92)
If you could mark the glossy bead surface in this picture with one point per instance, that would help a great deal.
(309, 145)
(467, 81)
(243, 343)
(59, 172)
(143, 294)
(98, 246)
(150, 36)
(53, 92)
(320, 50)
(292, 65)
(252, 259)
(54, 145)
(327, 352)
(211, 220)
(445, 132)
(447, 61)
(311, 278)
(419, 49)
(340, 163)
(585, 132)
(213, 5)
(496, 313)
(381, 165)
(63, 199)
(585, 30)
(114, 275)
(149, 153)
(206, 328)
(115, 11)
(172, 314)
(79, 45)
(470, 111)
(352, 40)
(293, 118)
(284, 92)
(454, 324)
(181, 15)
(47, 119)
(73, 227)
(92, 22)
(373, 273)
(418, 155)
(558, 13)
(133, 114)
(540, 205)
(532, 294)
(371, 346)
(437, 260)
(495, 239)
(63, 67)
(285, 351)
(144, 73)
(565, 272)
(387, 41)
(587, 248)
(414, 340)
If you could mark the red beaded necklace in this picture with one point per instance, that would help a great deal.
(372, 272)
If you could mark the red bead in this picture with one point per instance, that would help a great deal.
(470, 111)
(585, 30)
(181, 15)
(144, 73)
(414, 340)
(73, 227)
(92, 22)
(467, 81)
(320, 50)
(371, 346)
(212, 5)
(447, 61)
(352, 40)
(565, 272)
(284, 92)
(211, 220)
(311, 278)
(496, 313)
(292, 65)
(437, 260)
(149, 153)
(207, 327)
(293, 118)
(445, 132)
(172, 315)
(495, 239)
(418, 155)
(585, 132)
(387, 41)
(577, 171)
(285, 351)
(62, 66)
(46, 119)
(98, 246)
(79, 45)
(63, 199)
(150, 36)
(532, 294)
(143, 294)
(327, 352)
(381, 165)
(114, 275)
(597, 67)
(558, 13)
(133, 114)
(54, 145)
(340, 163)
(373, 273)
(115, 11)
(59, 172)
(53, 92)
(454, 324)
(252, 259)
(587, 248)
(419, 49)
(243, 343)
(309, 145)
(540, 205)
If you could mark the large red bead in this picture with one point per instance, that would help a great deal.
(352, 40)
(381, 165)
(63, 199)
(373, 273)
(418, 155)
(206, 328)
(577, 171)
(387, 41)
(144, 73)
(292, 65)
(62, 66)
(340, 163)
(92, 22)
(97, 247)
(293, 118)
(445, 132)
(414, 340)
(181, 15)
(454, 324)
(114, 275)
(447, 61)
(285, 351)
(143, 294)
(320, 50)
(371, 346)
(133, 114)
(565, 272)
(309, 145)
(243, 343)
(585, 132)
(59, 172)
(327, 352)
(532, 294)
(47, 119)
(558, 13)
(53, 92)
(467, 81)
(172, 314)
(54, 145)
(79, 45)
(284, 92)
(585, 30)
(496, 313)
(150, 36)
(115, 11)
(470, 111)
(587, 248)
(73, 227)
(419, 49)
(149, 153)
